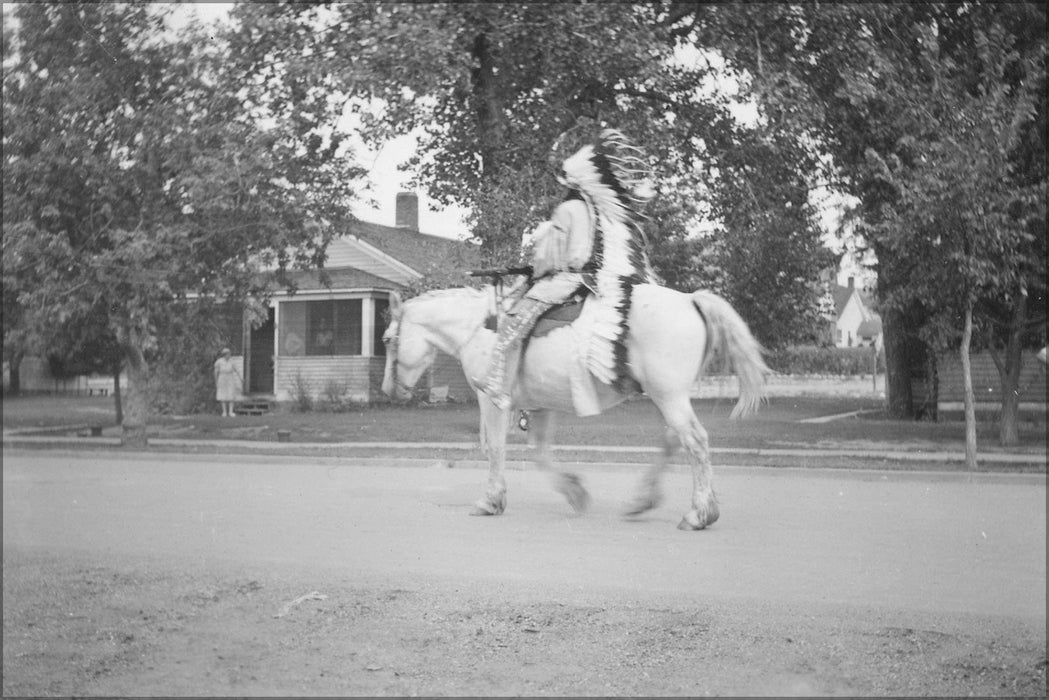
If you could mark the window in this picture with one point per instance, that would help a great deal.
(330, 327)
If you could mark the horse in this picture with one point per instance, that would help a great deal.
(671, 340)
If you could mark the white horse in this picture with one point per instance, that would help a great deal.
(672, 338)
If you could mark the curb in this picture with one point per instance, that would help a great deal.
(293, 461)
(255, 447)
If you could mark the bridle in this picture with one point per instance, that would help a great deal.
(391, 347)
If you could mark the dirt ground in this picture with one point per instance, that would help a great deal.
(78, 627)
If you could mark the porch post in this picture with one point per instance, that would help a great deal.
(368, 327)
(276, 348)
(245, 351)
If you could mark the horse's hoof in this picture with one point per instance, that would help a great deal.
(579, 499)
(645, 503)
(693, 520)
(689, 524)
(486, 508)
(574, 492)
(639, 506)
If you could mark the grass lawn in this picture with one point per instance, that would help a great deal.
(634, 423)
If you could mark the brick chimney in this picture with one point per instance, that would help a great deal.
(852, 280)
(408, 211)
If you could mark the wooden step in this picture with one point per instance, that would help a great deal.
(252, 407)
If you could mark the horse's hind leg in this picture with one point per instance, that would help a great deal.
(649, 494)
(682, 419)
(541, 426)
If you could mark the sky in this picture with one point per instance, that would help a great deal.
(384, 179)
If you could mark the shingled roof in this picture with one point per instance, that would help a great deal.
(420, 251)
(869, 327)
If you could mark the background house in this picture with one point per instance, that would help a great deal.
(852, 322)
(324, 338)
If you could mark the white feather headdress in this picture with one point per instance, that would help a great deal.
(613, 179)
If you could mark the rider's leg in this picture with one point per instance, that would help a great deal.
(502, 368)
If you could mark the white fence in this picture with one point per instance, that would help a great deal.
(35, 377)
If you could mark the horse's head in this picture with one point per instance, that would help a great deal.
(409, 352)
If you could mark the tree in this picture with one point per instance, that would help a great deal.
(492, 86)
(86, 345)
(861, 80)
(135, 179)
(965, 216)
(773, 238)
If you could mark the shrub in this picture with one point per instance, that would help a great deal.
(811, 359)
(301, 393)
(335, 397)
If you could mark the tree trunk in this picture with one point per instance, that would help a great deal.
(1009, 375)
(898, 391)
(117, 404)
(136, 411)
(15, 374)
(488, 109)
(970, 399)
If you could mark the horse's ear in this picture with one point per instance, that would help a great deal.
(395, 305)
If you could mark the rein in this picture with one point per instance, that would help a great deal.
(391, 347)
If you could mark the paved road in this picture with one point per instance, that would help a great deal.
(934, 547)
(925, 542)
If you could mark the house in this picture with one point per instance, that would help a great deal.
(853, 323)
(323, 336)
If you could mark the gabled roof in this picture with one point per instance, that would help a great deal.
(420, 251)
(841, 297)
(373, 256)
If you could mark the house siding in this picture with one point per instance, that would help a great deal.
(447, 371)
(849, 323)
(359, 377)
(987, 385)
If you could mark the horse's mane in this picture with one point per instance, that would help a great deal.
(471, 292)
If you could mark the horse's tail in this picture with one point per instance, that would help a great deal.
(729, 337)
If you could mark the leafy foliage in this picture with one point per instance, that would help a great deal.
(934, 115)
(492, 87)
(135, 174)
(811, 359)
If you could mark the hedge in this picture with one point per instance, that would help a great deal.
(811, 359)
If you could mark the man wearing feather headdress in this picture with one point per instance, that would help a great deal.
(592, 241)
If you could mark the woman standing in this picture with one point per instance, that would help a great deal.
(227, 382)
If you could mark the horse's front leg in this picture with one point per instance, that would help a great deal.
(493, 443)
(541, 426)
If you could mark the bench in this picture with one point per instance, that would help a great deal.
(103, 385)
